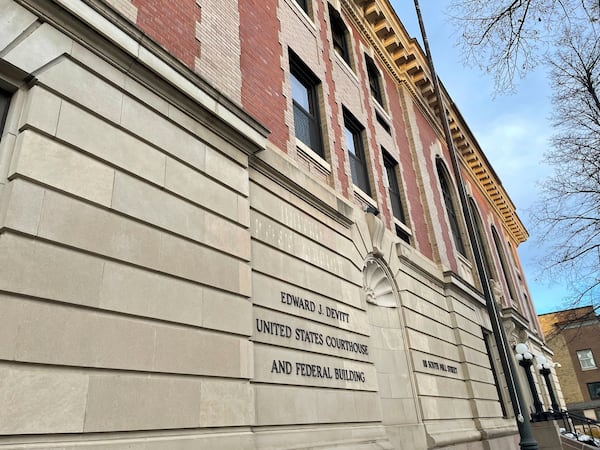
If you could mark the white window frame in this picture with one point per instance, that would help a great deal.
(586, 359)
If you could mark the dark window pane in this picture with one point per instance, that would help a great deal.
(449, 202)
(383, 123)
(303, 4)
(594, 389)
(504, 264)
(4, 102)
(393, 186)
(353, 133)
(374, 82)
(338, 34)
(482, 239)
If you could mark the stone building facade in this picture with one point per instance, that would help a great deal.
(234, 225)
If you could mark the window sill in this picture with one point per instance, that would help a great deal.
(381, 110)
(589, 368)
(314, 157)
(303, 15)
(364, 196)
(346, 67)
(403, 227)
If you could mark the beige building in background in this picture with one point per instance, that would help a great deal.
(572, 335)
(181, 268)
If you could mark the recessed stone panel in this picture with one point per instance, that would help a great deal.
(38, 400)
(21, 206)
(293, 270)
(136, 291)
(83, 87)
(431, 345)
(437, 408)
(428, 326)
(42, 46)
(314, 252)
(281, 405)
(198, 188)
(41, 110)
(36, 268)
(142, 402)
(14, 20)
(93, 135)
(51, 163)
(438, 385)
(163, 133)
(294, 218)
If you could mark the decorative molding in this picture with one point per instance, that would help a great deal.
(379, 285)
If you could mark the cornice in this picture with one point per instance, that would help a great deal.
(377, 21)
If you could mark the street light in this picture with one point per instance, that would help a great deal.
(527, 441)
(544, 366)
(525, 358)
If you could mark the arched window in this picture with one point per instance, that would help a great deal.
(504, 264)
(483, 242)
(447, 192)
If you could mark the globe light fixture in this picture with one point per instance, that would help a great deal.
(525, 358)
(544, 367)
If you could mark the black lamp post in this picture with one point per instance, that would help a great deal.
(528, 441)
(544, 367)
(525, 359)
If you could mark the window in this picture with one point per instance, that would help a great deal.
(307, 125)
(374, 80)
(586, 359)
(353, 132)
(483, 242)
(303, 4)
(339, 35)
(594, 389)
(393, 187)
(391, 179)
(4, 103)
(449, 202)
(504, 265)
(383, 123)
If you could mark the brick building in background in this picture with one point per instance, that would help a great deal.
(235, 225)
(574, 337)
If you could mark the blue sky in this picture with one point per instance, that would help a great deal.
(513, 130)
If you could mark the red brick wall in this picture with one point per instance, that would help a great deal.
(428, 138)
(172, 24)
(413, 195)
(374, 148)
(337, 151)
(262, 75)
